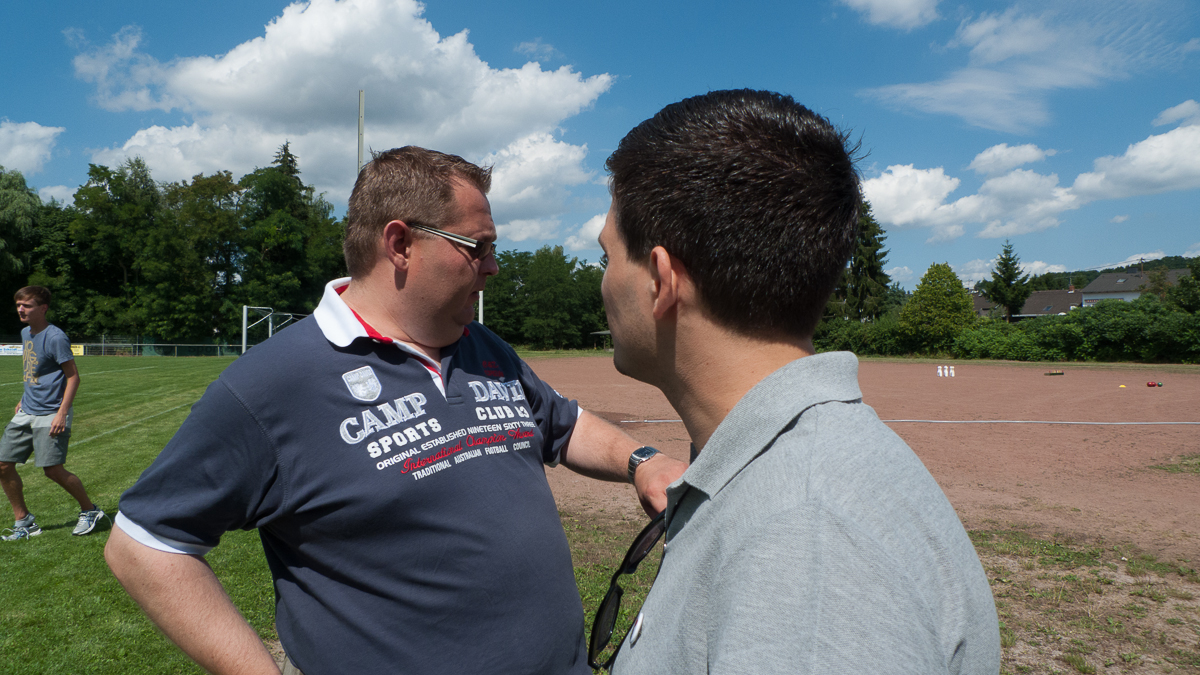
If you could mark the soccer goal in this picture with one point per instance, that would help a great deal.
(274, 320)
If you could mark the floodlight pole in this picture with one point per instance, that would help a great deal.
(362, 100)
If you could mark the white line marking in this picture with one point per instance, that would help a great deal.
(100, 372)
(126, 426)
(648, 421)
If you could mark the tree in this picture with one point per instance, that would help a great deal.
(19, 206)
(862, 292)
(940, 309)
(1157, 283)
(1008, 288)
(1185, 294)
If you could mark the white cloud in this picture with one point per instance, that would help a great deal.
(1187, 112)
(973, 271)
(538, 50)
(588, 236)
(63, 193)
(1139, 257)
(978, 269)
(1001, 158)
(906, 14)
(1163, 163)
(1023, 201)
(1193, 251)
(299, 82)
(26, 146)
(1037, 267)
(903, 275)
(532, 174)
(530, 228)
(1015, 203)
(1119, 219)
(1016, 59)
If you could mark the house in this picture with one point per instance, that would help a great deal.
(1040, 303)
(1046, 303)
(1127, 286)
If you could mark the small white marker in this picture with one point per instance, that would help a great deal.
(951, 371)
(939, 371)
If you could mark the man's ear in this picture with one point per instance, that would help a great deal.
(397, 244)
(670, 280)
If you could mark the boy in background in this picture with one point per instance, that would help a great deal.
(41, 423)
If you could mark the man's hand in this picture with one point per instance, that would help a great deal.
(652, 478)
(59, 423)
(601, 450)
(17, 409)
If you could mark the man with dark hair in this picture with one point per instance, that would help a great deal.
(41, 423)
(805, 536)
(391, 454)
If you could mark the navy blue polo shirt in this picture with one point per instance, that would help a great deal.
(402, 504)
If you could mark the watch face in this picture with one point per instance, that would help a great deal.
(644, 453)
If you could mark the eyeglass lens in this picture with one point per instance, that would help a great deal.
(606, 614)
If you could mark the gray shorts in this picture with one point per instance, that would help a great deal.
(30, 434)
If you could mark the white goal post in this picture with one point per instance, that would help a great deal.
(275, 320)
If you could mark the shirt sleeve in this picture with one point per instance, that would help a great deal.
(218, 473)
(554, 414)
(59, 347)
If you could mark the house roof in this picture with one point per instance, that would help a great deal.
(1041, 303)
(1128, 282)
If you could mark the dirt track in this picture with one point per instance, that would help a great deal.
(1092, 483)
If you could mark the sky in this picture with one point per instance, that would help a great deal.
(1070, 129)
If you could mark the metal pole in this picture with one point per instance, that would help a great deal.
(362, 102)
(244, 329)
(270, 324)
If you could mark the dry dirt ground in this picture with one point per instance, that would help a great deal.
(1085, 485)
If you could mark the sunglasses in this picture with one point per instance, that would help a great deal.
(606, 615)
(479, 249)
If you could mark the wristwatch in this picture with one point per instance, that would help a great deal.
(638, 456)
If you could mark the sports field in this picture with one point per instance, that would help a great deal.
(1091, 549)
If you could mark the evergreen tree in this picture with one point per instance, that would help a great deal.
(939, 309)
(1007, 287)
(862, 292)
(867, 287)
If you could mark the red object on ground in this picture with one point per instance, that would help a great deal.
(1151, 384)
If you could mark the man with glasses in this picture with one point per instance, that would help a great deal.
(391, 454)
(805, 536)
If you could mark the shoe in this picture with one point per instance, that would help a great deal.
(19, 533)
(87, 521)
(22, 529)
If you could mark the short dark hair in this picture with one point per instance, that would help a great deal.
(39, 294)
(410, 184)
(755, 194)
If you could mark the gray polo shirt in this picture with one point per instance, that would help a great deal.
(808, 538)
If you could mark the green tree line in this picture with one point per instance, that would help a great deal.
(170, 261)
(175, 262)
(1163, 325)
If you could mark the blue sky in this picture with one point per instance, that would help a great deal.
(1070, 128)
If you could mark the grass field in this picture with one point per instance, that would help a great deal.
(1065, 606)
(61, 610)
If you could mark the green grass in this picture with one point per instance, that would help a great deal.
(61, 610)
(1185, 464)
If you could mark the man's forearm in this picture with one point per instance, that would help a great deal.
(601, 450)
(183, 597)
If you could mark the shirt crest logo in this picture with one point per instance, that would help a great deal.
(363, 384)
